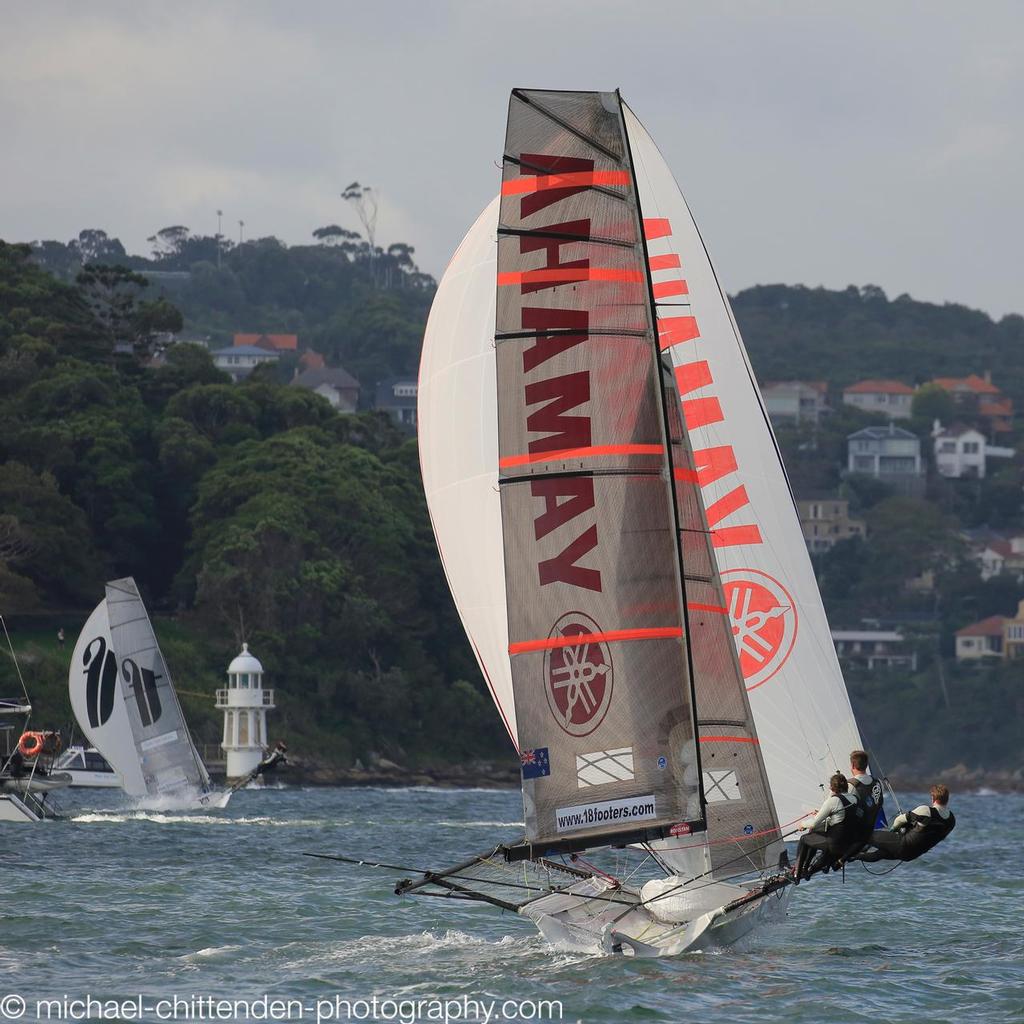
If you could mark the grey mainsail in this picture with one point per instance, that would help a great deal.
(603, 701)
(168, 758)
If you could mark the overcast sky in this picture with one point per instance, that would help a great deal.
(817, 143)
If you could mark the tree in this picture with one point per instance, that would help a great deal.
(932, 403)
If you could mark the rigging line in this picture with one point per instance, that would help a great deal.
(666, 429)
(705, 874)
(17, 667)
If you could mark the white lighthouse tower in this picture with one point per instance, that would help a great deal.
(245, 705)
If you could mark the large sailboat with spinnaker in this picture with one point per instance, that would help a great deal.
(620, 539)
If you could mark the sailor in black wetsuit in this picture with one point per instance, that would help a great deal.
(272, 760)
(915, 832)
(832, 831)
(868, 791)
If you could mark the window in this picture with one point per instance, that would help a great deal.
(864, 463)
(971, 447)
(947, 446)
(897, 464)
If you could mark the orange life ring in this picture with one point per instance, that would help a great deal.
(31, 744)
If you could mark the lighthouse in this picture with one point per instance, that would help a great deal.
(245, 703)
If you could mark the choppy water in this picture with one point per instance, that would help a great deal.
(118, 902)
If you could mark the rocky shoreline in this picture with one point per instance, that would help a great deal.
(505, 775)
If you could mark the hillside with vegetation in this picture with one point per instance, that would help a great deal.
(255, 510)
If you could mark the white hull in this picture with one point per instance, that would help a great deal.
(37, 783)
(12, 809)
(93, 780)
(575, 920)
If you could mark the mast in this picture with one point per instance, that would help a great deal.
(594, 591)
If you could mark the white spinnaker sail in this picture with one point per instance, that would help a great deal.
(97, 700)
(797, 694)
(458, 442)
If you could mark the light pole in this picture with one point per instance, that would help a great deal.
(220, 213)
(241, 226)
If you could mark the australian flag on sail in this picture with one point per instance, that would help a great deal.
(536, 763)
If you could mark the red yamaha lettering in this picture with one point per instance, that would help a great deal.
(564, 500)
(562, 419)
(544, 164)
(553, 248)
(561, 394)
(549, 345)
(563, 568)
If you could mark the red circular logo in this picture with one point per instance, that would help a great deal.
(764, 622)
(578, 674)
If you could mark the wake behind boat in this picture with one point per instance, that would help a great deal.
(622, 545)
(125, 704)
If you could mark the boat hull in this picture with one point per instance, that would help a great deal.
(12, 808)
(584, 919)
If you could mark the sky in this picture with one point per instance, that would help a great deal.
(816, 143)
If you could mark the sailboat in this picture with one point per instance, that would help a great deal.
(27, 769)
(125, 703)
(622, 545)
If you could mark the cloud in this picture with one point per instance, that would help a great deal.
(816, 143)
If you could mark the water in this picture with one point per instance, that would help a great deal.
(117, 902)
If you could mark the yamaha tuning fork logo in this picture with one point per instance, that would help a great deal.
(578, 675)
(764, 622)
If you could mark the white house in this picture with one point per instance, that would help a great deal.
(889, 397)
(338, 386)
(981, 639)
(241, 360)
(873, 648)
(890, 454)
(795, 401)
(959, 451)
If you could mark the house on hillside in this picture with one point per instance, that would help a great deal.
(981, 640)
(825, 520)
(874, 649)
(889, 397)
(998, 636)
(241, 360)
(397, 397)
(273, 342)
(890, 454)
(978, 396)
(338, 386)
(795, 401)
(959, 451)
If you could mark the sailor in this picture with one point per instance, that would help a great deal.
(915, 832)
(868, 791)
(271, 762)
(832, 831)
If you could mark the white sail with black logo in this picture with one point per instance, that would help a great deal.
(124, 700)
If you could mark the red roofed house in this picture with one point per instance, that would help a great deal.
(889, 397)
(274, 342)
(979, 393)
(981, 639)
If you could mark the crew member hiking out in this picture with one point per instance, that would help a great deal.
(832, 831)
(870, 812)
(270, 763)
(913, 833)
